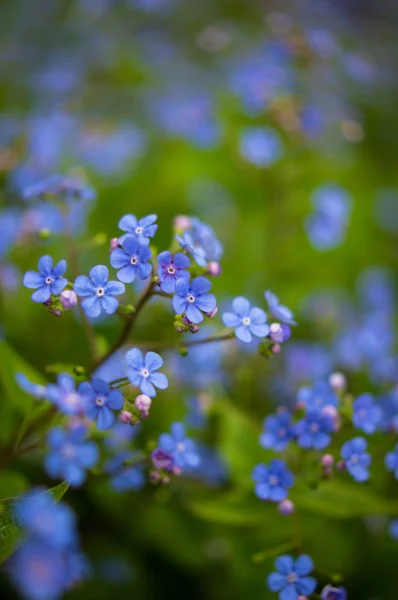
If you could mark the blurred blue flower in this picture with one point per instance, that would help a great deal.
(326, 227)
(125, 477)
(204, 237)
(100, 402)
(65, 187)
(10, 228)
(278, 431)
(272, 482)
(391, 461)
(64, 395)
(356, 459)
(142, 371)
(261, 146)
(191, 298)
(186, 242)
(183, 450)
(314, 430)
(317, 397)
(366, 414)
(99, 291)
(291, 577)
(393, 529)
(142, 229)
(70, 454)
(48, 281)
(34, 389)
(132, 260)
(171, 268)
(246, 320)
(332, 593)
(197, 416)
(280, 312)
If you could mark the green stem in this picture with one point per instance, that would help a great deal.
(270, 552)
(188, 344)
(116, 381)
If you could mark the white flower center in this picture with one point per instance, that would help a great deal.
(354, 459)
(180, 447)
(144, 373)
(191, 298)
(246, 321)
(292, 578)
(138, 230)
(314, 427)
(273, 480)
(282, 432)
(171, 270)
(100, 291)
(134, 260)
(100, 401)
(48, 280)
(72, 399)
(69, 451)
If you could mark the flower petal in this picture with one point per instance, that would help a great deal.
(306, 585)
(260, 330)
(115, 400)
(242, 333)
(276, 581)
(284, 564)
(147, 388)
(148, 220)
(193, 314)
(289, 593)
(114, 288)
(134, 376)
(33, 280)
(168, 285)
(178, 431)
(179, 303)
(45, 265)
(83, 286)
(42, 294)
(144, 270)
(159, 380)
(60, 268)
(127, 223)
(99, 275)
(131, 245)
(200, 285)
(164, 258)
(153, 361)
(241, 306)
(127, 274)
(92, 306)
(303, 565)
(105, 418)
(182, 286)
(135, 359)
(58, 285)
(181, 261)
(230, 319)
(206, 302)
(258, 316)
(119, 258)
(99, 386)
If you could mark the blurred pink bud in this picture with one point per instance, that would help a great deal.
(194, 329)
(165, 479)
(177, 470)
(341, 465)
(179, 329)
(327, 461)
(143, 403)
(276, 348)
(286, 507)
(154, 477)
(214, 268)
(68, 298)
(186, 321)
(113, 244)
(276, 333)
(302, 598)
(125, 416)
(329, 411)
(213, 312)
(182, 222)
(299, 405)
(337, 381)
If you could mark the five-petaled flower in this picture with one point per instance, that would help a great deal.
(317, 397)
(183, 450)
(356, 459)
(48, 282)
(332, 593)
(367, 415)
(278, 430)
(64, 395)
(246, 320)
(192, 298)
(391, 461)
(99, 291)
(171, 268)
(314, 430)
(141, 371)
(279, 311)
(291, 577)
(141, 229)
(100, 402)
(187, 242)
(272, 481)
(132, 260)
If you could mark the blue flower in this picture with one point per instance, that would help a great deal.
(125, 477)
(393, 529)
(261, 146)
(132, 261)
(278, 431)
(246, 320)
(162, 459)
(273, 481)
(142, 371)
(64, 395)
(187, 243)
(101, 400)
(204, 237)
(391, 461)
(332, 593)
(34, 389)
(280, 312)
(70, 454)
(326, 227)
(356, 459)
(183, 450)
(366, 414)
(171, 268)
(99, 291)
(142, 229)
(291, 578)
(60, 185)
(191, 298)
(314, 430)
(317, 397)
(48, 282)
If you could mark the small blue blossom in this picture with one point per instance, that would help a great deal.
(192, 299)
(100, 402)
(391, 461)
(313, 431)
(64, 395)
(332, 593)
(278, 431)
(317, 397)
(142, 229)
(48, 282)
(99, 291)
(70, 454)
(273, 481)
(132, 261)
(261, 146)
(142, 371)
(34, 389)
(204, 237)
(162, 459)
(326, 226)
(291, 577)
(187, 243)
(280, 312)
(60, 185)
(125, 477)
(171, 268)
(356, 459)
(246, 320)
(366, 414)
(393, 529)
(183, 450)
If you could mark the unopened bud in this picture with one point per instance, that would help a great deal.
(186, 321)
(337, 381)
(327, 461)
(44, 234)
(161, 459)
(113, 244)
(276, 333)
(286, 507)
(125, 416)
(214, 268)
(182, 223)
(68, 299)
(180, 329)
(213, 312)
(331, 593)
(276, 348)
(176, 470)
(341, 466)
(143, 404)
(194, 329)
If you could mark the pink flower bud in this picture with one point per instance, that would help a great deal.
(341, 465)
(194, 329)
(125, 416)
(143, 403)
(177, 470)
(337, 381)
(179, 329)
(186, 321)
(302, 598)
(68, 298)
(182, 223)
(276, 348)
(113, 244)
(329, 411)
(214, 268)
(276, 333)
(327, 461)
(213, 312)
(286, 507)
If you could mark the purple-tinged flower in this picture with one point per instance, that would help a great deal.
(132, 261)
(279, 311)
(272, 482)
(68, 299)
(40, 515)
(171, 268)
(391, 461)
(99, 291)
(141, 229)
(317, 397)
(291, 577)
(367, 415)
(278, 431)
(70, 454)
(183, 450)
(246, 320)
(142, 371)
(34, 389)
(279, 332)
(48, 282)
(187, 243)
(356, 459)
(162, 459)
(65, 397)
(192, 299)
(260, 146)
(100, 402)
(314, 430)
(332, 593)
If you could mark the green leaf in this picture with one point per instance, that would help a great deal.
(12, 484)
(71, 368)
(342, 500)
(11, 535)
